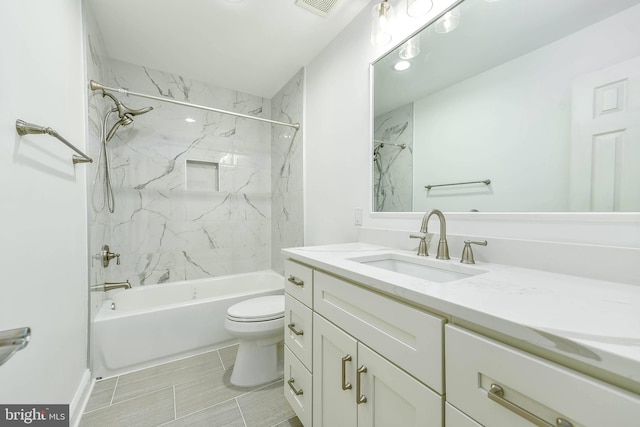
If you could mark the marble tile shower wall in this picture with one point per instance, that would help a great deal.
(164, 230)
(286, 171)
(393, 166)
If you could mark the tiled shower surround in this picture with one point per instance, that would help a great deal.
(393, 173)
(212, 196)
(170, 225)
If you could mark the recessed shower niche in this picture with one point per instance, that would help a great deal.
(202, 176)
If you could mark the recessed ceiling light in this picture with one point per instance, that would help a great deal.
(401, 65)
(190, 120)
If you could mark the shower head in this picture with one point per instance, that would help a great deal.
(125, 113)
(123, 110)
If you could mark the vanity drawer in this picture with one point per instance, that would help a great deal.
(298, 333)
(298, 281)
(298, 388)
(532, 387)
(406, 336)
(454, 418)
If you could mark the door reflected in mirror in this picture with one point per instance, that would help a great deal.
(539, 98)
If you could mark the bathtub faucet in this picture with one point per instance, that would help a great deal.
(108, 286)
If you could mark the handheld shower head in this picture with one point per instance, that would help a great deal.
(124, 121)
(125, 113)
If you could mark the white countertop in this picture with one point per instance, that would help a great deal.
(591, 321)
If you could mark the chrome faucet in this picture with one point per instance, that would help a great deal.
(443, 246)
(109, 286)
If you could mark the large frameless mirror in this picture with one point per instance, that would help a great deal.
(512, 106)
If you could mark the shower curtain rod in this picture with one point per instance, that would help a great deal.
(97, 86)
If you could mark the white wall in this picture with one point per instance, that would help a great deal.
(43, 227)
(338, 158)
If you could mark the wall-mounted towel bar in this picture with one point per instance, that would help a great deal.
(485, 182)
(12, 341)
(24, 128)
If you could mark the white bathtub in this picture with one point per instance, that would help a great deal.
(153, 324)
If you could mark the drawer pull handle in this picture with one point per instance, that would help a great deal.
(292, 326)
(360, 398)
(295, 281)
(496, 393)
(297, 392)
(345, 384)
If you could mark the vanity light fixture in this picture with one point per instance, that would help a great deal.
(402, 65)
(381, 24)
(410, 49)
(417, 8)
(448, 22)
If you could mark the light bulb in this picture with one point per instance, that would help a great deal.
(381, 25)
(448, 22)
(416, 8)
(410, 49)
(401, 65)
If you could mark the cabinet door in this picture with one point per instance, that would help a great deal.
(334, 360)
(390, 397)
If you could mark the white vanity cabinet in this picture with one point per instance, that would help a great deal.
(298, 339)
(355, 386)
(498, 385)
(375, 359)
(360, 340)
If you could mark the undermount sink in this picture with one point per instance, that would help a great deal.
(422, 268)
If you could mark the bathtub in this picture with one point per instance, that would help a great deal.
(147, 325)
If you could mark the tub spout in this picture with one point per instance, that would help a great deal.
(108, 286)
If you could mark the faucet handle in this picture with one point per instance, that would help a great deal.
(467, 253)
(106, 255)
(422, 247)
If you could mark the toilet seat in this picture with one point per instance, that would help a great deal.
(260, 309)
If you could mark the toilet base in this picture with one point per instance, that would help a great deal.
(257, 363)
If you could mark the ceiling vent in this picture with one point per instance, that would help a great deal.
(319, 7)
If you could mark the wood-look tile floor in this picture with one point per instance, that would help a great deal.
(189, 392)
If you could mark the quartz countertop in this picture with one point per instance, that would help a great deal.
(593, 322)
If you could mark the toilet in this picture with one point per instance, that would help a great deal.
(259, 325)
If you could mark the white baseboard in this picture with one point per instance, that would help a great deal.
(80, 399)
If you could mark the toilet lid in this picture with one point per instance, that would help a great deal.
(257, 309)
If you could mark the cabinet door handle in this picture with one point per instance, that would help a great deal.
(297, 392)
(295, 280)
(360, 398)
(292, 326)
(345, 384)
(496, 393)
